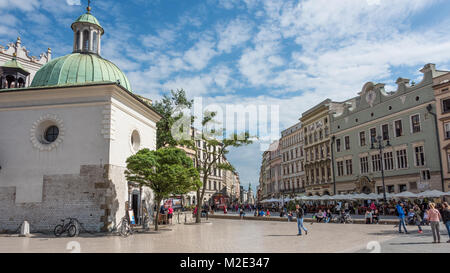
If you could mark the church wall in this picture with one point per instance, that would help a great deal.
(45, 183)
(124, 121)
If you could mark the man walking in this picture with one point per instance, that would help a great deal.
(299, 213)
(401, 217)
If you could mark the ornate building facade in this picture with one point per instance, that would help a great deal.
(402, 122)
(292, 158)
(317, 149)
(442, 94)
(21, 58)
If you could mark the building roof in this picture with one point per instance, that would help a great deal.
(79, 68)
(14, 64)
(88, 18)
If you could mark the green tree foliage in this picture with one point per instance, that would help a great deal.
(166, 171)
(168, 108)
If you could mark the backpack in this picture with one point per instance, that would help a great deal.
(396, 212)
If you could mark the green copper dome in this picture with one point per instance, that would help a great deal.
(79, 68)
(88, 18)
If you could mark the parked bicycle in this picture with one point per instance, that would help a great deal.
(69, 225)
(125, 227)
(346, 219)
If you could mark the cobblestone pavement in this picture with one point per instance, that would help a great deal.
(233, 236)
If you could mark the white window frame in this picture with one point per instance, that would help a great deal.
(411, 123)
(415, 158)
(370, 136)
(359, 138)
(396, 159)
(445, 132)
(395, 131)
(349, 143)
(381, 131)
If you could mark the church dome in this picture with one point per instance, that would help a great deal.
(79, 68)
(84, 65)
(88, 18)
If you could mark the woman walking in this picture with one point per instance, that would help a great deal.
(446, 218)
(434, 217)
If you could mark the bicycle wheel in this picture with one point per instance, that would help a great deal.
(125, 229)
(59, 229)
(72, 230)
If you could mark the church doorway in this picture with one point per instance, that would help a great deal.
(135, 204)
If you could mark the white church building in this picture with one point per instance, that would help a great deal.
(65, 137)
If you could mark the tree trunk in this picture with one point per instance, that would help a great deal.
(157, 213)
(197, 217)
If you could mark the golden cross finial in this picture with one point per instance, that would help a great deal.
(89, 7)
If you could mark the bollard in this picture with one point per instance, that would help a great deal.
(25, 229)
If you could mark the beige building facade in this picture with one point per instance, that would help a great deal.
(441, 87)
(317, 149)
(292, 160)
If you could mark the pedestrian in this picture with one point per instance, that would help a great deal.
(418, 218)
(368, 216)
(434, 217)
(170, 214)
(241, 212)
(300, 213)
(401, 216)
(376, 216)
(446, 218)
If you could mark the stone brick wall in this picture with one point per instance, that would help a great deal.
(90, 196)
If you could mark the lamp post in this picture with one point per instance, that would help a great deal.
(381, 146)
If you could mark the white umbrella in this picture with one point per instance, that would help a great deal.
(325, 197)
(337, 197)
(372, 196)
(361, 196)
(431, 194)
(406, 194)
(349, 197)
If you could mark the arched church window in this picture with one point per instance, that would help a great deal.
(77, 39)
(21, 82)
(95, 41)
(51, 134)
(11, 81)
(85, 40)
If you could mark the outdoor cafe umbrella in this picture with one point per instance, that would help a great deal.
(405, 194)
(431, 194)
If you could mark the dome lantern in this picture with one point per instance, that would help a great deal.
(87, 33)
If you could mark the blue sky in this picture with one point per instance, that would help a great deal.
(289, 53)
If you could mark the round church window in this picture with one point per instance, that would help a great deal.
(135, 140)
(51, 134)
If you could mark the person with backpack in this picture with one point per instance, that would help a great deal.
(401, 216)
(300, 213)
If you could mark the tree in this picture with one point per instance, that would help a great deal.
(169, 108)
(166, 171)
(216, 149)
(210, 156)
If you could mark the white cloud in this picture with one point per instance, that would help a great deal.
(200, 54)
(234, 34)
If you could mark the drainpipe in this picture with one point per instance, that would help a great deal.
(429, 108)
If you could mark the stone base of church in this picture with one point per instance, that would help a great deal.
(96, 197)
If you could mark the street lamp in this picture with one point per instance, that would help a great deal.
(381, 146)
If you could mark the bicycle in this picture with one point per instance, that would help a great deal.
(71, 227)
(125, 228)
